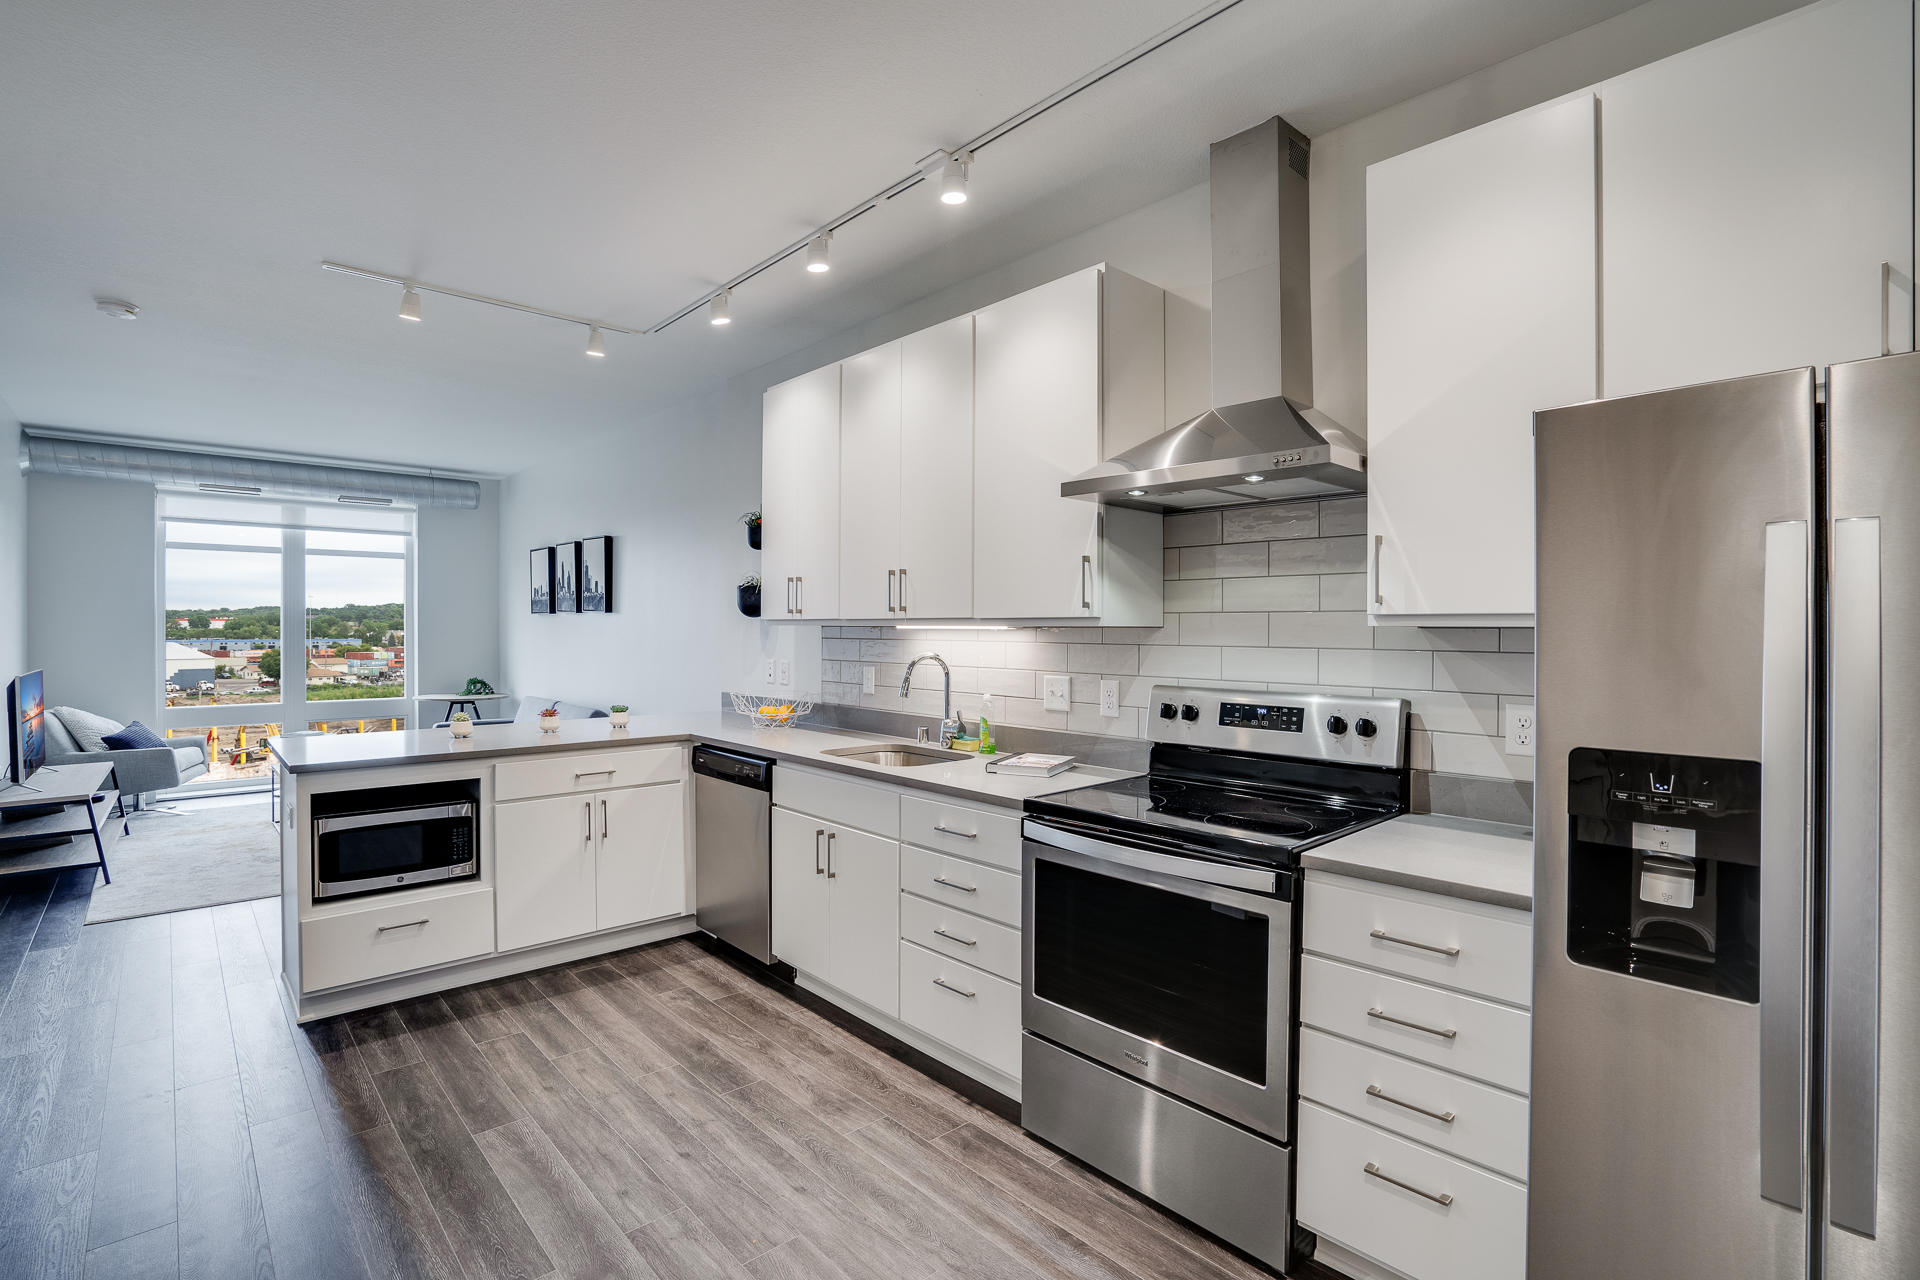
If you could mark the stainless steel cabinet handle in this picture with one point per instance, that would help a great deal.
(1853, 877)
(1086, 580)
(388, 928)
(1379, 540)
(1785, 690)
(603, 818)
(1442, 1199)
(965, 942)
(817, 868)
(799, 595)
(959, 991)
(593, 773)
(1886, 308)
(1384, 936)
(964, 835)
(831, 873)
(903, 591)
(589, 839)
(1375, 1091)
(891, 575)
(952, 884)
(1446, 1033)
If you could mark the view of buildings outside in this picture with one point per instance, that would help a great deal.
(236, 752)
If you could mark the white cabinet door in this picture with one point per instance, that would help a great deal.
(800, 923)
(800, 497)
(864, 952)
(870, 483)
(1753, 186)
(641, 862)
(543, 872)
(1480, 310)
(936, 471)
(1036, 424)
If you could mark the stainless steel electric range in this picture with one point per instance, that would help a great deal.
(1161, 936)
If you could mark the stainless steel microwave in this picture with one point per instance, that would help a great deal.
(367, 850)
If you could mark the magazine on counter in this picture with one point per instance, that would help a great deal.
(1030, 763)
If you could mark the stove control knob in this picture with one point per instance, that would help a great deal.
(1189, 713)
(1365, 728)
(1167, 711)
(1336, 725)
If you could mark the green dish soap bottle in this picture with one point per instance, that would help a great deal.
(986, 728)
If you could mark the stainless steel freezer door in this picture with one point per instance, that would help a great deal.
(1657, 515)
(1873, 1024)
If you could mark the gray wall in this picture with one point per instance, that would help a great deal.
(455, 630)
(13, 549)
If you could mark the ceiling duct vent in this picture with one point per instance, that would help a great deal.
(225, 473)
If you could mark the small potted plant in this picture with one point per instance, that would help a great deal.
(460, 724)
(549, 720)
(618, 714)
(750, 595)
(752, 521)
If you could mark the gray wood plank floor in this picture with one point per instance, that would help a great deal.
(656, 1114)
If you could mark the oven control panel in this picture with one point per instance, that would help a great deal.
(1254, 715)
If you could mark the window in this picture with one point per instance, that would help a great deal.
(280, 613)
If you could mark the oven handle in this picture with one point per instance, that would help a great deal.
(391, 817)
(1219, 873)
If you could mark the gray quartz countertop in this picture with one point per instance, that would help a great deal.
(963, 779)
(1482, 861)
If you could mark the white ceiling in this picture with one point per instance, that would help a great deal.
(606, 158)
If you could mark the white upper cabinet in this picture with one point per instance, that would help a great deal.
(1057, 371)
(870, 490)
(800, 497)
(1752, 189)
(1480, 310)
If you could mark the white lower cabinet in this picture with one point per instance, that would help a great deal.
(957, 1004)
(574, 864)
(395, 937)
(836, 906)
(640, 871)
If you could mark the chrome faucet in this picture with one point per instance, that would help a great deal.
(950, 726)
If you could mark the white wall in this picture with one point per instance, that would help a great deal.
(454, 632)
(13, 549)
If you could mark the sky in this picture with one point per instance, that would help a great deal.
(236, 580)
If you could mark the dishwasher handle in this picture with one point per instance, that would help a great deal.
(732, 766)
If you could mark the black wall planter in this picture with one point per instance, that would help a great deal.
(750, 597)
(753, 537)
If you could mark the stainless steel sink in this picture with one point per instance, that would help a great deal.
(901, 757)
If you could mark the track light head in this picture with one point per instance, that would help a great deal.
(717, 313)
(817, 252)
(410, 304)
(596, 345)
(953, 177)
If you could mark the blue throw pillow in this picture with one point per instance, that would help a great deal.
(133, 737)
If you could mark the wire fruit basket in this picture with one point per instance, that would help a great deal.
(772, 712)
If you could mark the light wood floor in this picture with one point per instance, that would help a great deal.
(657, 1112)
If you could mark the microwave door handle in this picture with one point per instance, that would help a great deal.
(1853, 877)
(1786, 688)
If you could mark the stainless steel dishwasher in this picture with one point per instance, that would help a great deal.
(733, 848)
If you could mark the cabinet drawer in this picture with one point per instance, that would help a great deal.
(1461, 1033)
(586, 771)
(851, 804)
(990, 835)
(954, 882)
(1494, 948)
(957, 1004)
(381, 941)
(1487, 1126)
(1481, 1234)
(954, 933)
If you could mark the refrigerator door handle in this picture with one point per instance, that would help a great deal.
(1786, 688)
(1853, 884)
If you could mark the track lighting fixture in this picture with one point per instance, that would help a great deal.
(596, 345)
(817, 252)
(410, 304)
(953, 177)
(717, 309)
(115, 307)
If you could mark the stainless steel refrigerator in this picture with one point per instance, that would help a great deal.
(1726, 1005)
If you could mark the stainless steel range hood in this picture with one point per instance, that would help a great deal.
(1262, 439)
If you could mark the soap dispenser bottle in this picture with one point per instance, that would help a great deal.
(986, 726)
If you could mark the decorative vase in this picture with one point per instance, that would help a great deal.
(619, 719)
(461, 728)
(549, 724)
(753, 536)
(750, 601)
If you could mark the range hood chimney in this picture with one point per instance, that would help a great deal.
(1262, 440)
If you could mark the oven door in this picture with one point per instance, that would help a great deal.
(392, 849)
(1135, 961)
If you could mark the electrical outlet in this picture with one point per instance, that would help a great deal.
(769, 676)
(1110, 698)
(866, 679)
(786, 671)
(1520, 728)
(1055, 692)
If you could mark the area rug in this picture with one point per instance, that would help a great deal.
(194, 858)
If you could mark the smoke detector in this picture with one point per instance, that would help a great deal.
(116, 308)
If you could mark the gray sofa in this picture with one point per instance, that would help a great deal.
(135, 773)
(527, 710)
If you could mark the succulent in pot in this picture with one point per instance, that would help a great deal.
(460, 724)
(752, 521)
(618, 714)
(750, 595)
(549, 720)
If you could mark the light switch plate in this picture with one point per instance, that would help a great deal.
(1055, 691)
(1518, 728)
(866, 679)
(1109, 698)
(786, 671)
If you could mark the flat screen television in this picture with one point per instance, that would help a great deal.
(26, 722)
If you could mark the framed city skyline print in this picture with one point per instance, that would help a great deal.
(596, 575)
(540, 579)
(566, 577)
